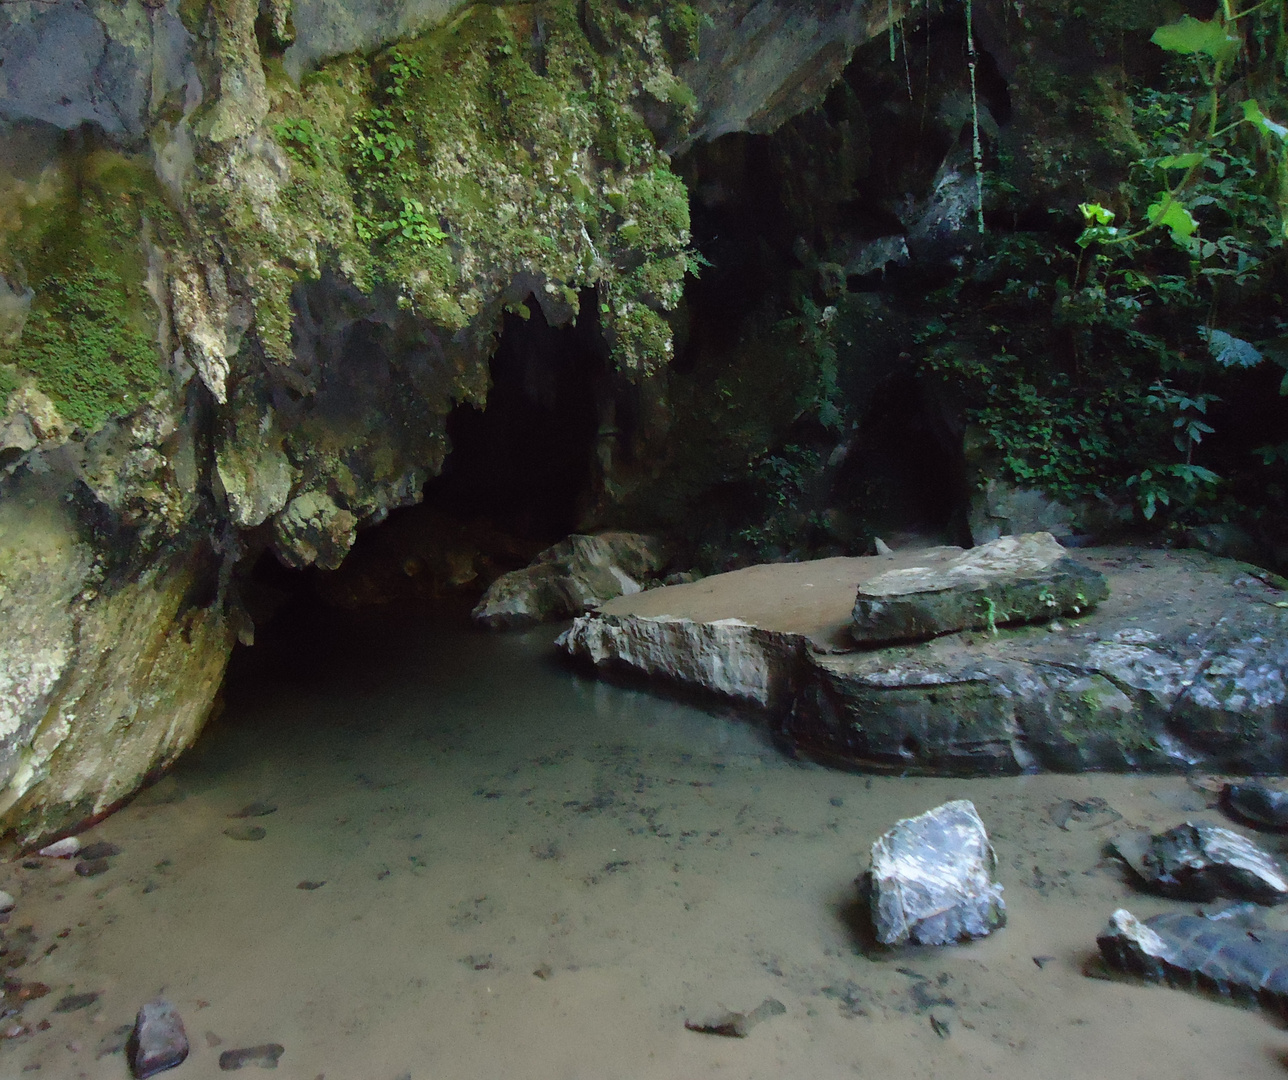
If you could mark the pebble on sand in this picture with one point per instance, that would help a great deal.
(264, 1055)
(61, 849)
(92, 867)
(159, 1041)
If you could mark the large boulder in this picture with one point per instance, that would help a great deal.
(931, 881)
(1014, 579)
(571, 578)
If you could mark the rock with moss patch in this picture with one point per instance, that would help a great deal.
(1015, 579)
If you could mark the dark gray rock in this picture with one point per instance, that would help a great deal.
(1218, 955)
(92, 867)
(1197, 861)
(1257, 805)
(931, 881)
(159, 1041)
(100, 849)
(1014, 579)
(61, 64)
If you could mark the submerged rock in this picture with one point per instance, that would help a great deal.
(159, 1041)
(1219, 955)
(1256, 804)
(931, 881)
(570, 578)
(264, 1056)
(1015, 579)
(737, 1025)
(1197, 861)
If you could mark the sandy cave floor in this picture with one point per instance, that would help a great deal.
(529, 874)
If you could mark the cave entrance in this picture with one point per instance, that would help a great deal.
(906, 468)
(524, 462)
(519, 477)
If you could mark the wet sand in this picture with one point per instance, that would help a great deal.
(529, 874)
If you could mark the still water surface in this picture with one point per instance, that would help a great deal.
(525, 873)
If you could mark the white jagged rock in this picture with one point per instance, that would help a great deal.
(931, 881)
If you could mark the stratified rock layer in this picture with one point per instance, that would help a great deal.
(1015, 579)
(1183, 665)
(931, 881)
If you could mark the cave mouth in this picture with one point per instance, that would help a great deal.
(520, 476)
(524, 462)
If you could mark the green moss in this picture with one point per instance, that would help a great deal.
(9, 382)
(504, 144)
(90, 337)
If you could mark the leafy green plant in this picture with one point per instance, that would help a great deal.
(302, 141)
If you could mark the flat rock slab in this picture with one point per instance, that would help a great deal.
(1015, 579)
(931, 879)
(1198, 861)
(1185, 664)
(1218, 955)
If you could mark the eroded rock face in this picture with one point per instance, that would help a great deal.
(107, 672)
(1014, 579)
(571, 578)
(931, 879)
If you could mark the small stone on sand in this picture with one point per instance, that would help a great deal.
(100, 849)
(61, 849)
(265, 1056)
(159, 1041)
(92, 867)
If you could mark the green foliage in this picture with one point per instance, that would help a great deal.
(1092, 370)
(9, 382)
(302, 141)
